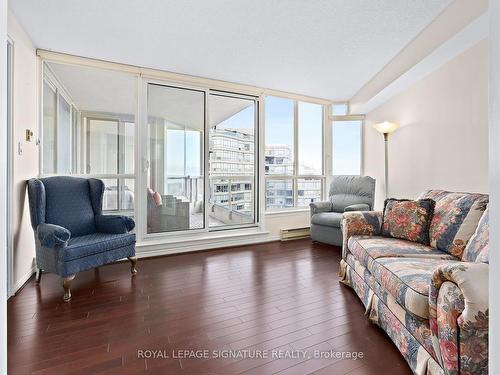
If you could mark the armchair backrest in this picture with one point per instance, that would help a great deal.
(346, 190)
(71, 202)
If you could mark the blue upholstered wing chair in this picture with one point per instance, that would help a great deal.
(347, 193)
(71, 233)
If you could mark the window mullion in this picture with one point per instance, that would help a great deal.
(295, 151)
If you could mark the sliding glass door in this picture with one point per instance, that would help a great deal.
(201, 176)
(175, 191)
(232, 162)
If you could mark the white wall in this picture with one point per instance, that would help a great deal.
(494, 356)
(287, 220)
(443, 139)
(25, 116)
(3, 192)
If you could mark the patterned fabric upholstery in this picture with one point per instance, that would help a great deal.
(477, 250)
(408, 220)
(432, 304)
(408, 281)
(368, 248)
(456, 216)
(459, 315)
(71, 234)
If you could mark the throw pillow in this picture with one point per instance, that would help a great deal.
(407, 219)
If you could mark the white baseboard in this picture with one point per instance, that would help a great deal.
(151, 250)
(21, 281)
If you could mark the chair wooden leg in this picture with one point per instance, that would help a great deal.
(67, 287)
(133, 261)
(38, 276)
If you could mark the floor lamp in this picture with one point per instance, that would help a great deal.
(385, 128)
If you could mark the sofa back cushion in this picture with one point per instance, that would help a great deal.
(456, 217)
(477, 250)
(408, 220)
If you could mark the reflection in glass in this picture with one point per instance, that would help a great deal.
(176, 122)
(232, 161)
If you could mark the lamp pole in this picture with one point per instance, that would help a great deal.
(386, 167)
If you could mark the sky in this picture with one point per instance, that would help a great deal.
(279, 119)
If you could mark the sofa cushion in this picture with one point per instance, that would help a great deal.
(407, 219)
(329, 219)
(96, 243)
(477, 249)
(455, 219)
(408, 280)
(368, 248)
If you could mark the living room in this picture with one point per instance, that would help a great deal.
(194, 187)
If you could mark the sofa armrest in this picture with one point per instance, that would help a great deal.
(51, 235)
(317, 207)
(357, 207)
(114, 224)
(358, 223)
(458, 316)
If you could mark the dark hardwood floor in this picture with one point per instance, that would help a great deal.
(244, 300)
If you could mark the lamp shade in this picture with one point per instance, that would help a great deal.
(386, 127)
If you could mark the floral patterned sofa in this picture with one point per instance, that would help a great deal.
(432, 301)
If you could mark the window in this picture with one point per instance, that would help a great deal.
(340, 109)
(293, 153)
(88, 128)
(346, 143)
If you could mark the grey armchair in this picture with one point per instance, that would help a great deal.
(347, 193)
(71, 233)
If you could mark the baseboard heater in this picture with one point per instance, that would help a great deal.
(294, 233)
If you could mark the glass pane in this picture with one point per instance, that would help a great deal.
(340, 109)
(310, 139)
(279, 136)
(279, 193)
(232, 161)
(64, 137)
(128, 147)
(102, 146)
(176, 122)
(127, 194)
(49, 129)
(346, 147)
(308, 191)
(110, 197)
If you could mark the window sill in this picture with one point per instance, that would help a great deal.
(287, 212)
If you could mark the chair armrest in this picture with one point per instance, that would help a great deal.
(317, 207)
(114, 224)
(359, 223)
(458, 316)
(357, 207)
(51, 235)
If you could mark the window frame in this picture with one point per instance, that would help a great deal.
(295, 177)
(348, 117)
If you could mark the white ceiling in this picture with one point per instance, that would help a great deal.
(98, 90)
(322, 48)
